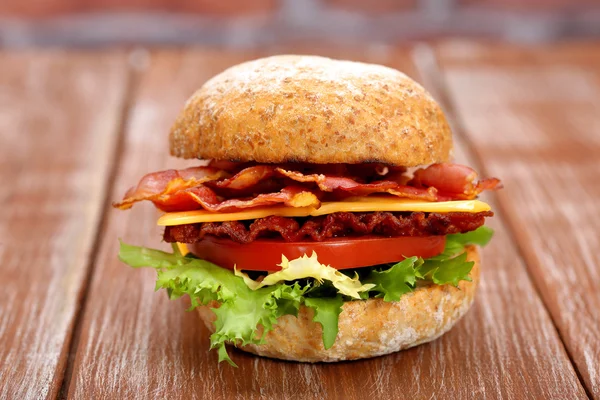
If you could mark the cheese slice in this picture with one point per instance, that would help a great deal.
(183, 249)
(359, 204)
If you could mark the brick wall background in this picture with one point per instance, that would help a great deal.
(248, 23)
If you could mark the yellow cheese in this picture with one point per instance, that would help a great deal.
(359, 204)
(183, 249)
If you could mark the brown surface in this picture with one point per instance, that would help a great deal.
(361, 113)
(55, 110)
(369, 328)
(535, 123)
(373, 6)
(235, 8)
(530, 5)
(51, 8)
(133, 343)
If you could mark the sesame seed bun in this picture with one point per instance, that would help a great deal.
(314, 110)
(369, 328)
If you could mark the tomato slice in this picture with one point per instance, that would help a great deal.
(340, 253)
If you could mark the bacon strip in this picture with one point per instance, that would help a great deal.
(292, 196)
(453, 180)
(261, 185)
(333, 225)
(349, 185)
(229, 166)
(247, 177)
(164, 187)
(202, 197)
(187, 200)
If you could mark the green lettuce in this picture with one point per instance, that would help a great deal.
(242, 310)
(327, 311)
(449, 267)
(246, 313)
(395, 281)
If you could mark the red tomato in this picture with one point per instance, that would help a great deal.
(340, 253)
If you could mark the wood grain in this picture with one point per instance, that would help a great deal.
(61, 8)
(137, 344)
(533, 117)
(59, 117)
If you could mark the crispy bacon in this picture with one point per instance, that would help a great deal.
(229, 166)
(349, 185)
(245, 185)
(183, 190)
(292, 196)
(187, 200)
(453, 180)
(333, 225)
(488, 184)
(203, 197)
(165, 187)
(247, 177)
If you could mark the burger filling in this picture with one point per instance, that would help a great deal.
(257, 241)
(340, 224)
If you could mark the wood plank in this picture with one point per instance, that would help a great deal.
(137, 344)
(66, 8)
(59, 116)
(533, 117)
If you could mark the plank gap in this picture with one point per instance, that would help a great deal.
(427, 64)
(132, 84)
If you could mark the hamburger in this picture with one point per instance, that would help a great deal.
(325, 221)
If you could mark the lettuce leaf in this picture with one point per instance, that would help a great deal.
(327, 312)
(242, 309)
(450, 270)
(249, 309)
(137, 257)
(455, 243)
(450, 267)
(395, 281)
(309, 267)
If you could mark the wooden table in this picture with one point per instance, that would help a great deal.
(77, 128)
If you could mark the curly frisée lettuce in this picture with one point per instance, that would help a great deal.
(310, 267)
(242, 310)
(247, 310)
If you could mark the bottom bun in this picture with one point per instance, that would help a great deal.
(369, 328)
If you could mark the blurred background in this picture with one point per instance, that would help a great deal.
(246, 24)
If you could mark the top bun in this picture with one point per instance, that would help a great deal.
(314, 110)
